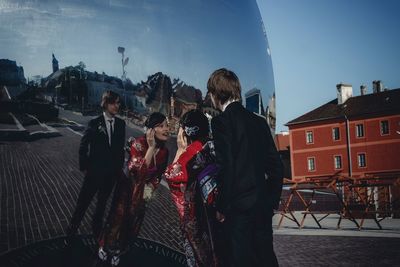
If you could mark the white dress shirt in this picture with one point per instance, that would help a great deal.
(107, 120)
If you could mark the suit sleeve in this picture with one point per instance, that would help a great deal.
(84, 147)
(223, 141)
(273, 169)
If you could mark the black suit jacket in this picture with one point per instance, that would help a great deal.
(95, 154)
(246, 153)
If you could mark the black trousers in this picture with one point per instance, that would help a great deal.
(92, 184)
(249, 238)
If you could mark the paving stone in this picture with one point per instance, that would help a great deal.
(39, 186)
(40, 183)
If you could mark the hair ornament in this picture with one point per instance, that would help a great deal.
(190, 131)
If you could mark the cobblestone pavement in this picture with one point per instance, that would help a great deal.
(336, 251)
(40, 182)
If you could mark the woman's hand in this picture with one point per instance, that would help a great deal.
(150, 139)
(181, 140)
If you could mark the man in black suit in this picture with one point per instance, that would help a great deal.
(251, 175)
(101, 157)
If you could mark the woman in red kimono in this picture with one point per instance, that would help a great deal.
(147, 162)
(198, 224)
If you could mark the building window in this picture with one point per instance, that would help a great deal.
(309, 137)
(360, 130)
(384, 127)
(311, 164)
(361, 160)
(338, 162)
(336, 133)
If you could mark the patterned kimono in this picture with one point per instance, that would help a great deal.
(128, 206)
(198, 223)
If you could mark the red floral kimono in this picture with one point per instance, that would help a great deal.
(198, 222)
(128, 206)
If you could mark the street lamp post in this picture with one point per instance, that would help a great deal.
(124, 62)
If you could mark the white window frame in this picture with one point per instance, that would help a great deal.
(309, 165)
(359, 160)
(358, 131)
(381, 128)
(333, 133)
(312, 137)
(340, 160)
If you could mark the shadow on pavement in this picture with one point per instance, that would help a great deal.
(82, 251)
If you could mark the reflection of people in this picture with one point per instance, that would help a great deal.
(101, 156)
(147, 162)
(190, 160)
(184, 99)
(246, 153)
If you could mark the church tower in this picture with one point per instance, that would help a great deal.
(55, 64)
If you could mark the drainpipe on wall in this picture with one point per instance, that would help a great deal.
(348, 145)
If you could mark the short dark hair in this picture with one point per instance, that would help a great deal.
(109, 97)
(195, 125)
(224, 85)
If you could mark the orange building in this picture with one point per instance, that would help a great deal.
(282, 145)
(351, 136)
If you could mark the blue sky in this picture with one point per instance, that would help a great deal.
(316, 44)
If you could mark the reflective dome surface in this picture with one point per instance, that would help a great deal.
(157, 54)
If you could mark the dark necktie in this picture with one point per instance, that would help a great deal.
(111, 131)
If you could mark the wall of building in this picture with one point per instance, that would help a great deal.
(382, 151)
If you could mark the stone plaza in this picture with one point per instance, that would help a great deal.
(40, 182)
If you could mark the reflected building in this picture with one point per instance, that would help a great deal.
(12, 78)
(171, 47)
(271, 112)
(254, 101)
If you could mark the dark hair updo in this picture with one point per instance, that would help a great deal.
(195, 125)
(154, 119)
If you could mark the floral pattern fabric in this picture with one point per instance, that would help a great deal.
(128, 207)
(198, 224)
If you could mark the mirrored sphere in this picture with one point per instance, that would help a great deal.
(157, 54)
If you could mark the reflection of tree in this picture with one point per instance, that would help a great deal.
(81, 66)
(185, 97)
(129, 86)
(159, 89)
(158, 93)
(77, 89)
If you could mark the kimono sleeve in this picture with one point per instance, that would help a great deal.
(137, 163)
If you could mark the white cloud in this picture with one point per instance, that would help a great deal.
(119, 3)
(53, 9)
(77, 12)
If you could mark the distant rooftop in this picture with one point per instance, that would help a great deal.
(382, 103)
(282, 141)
